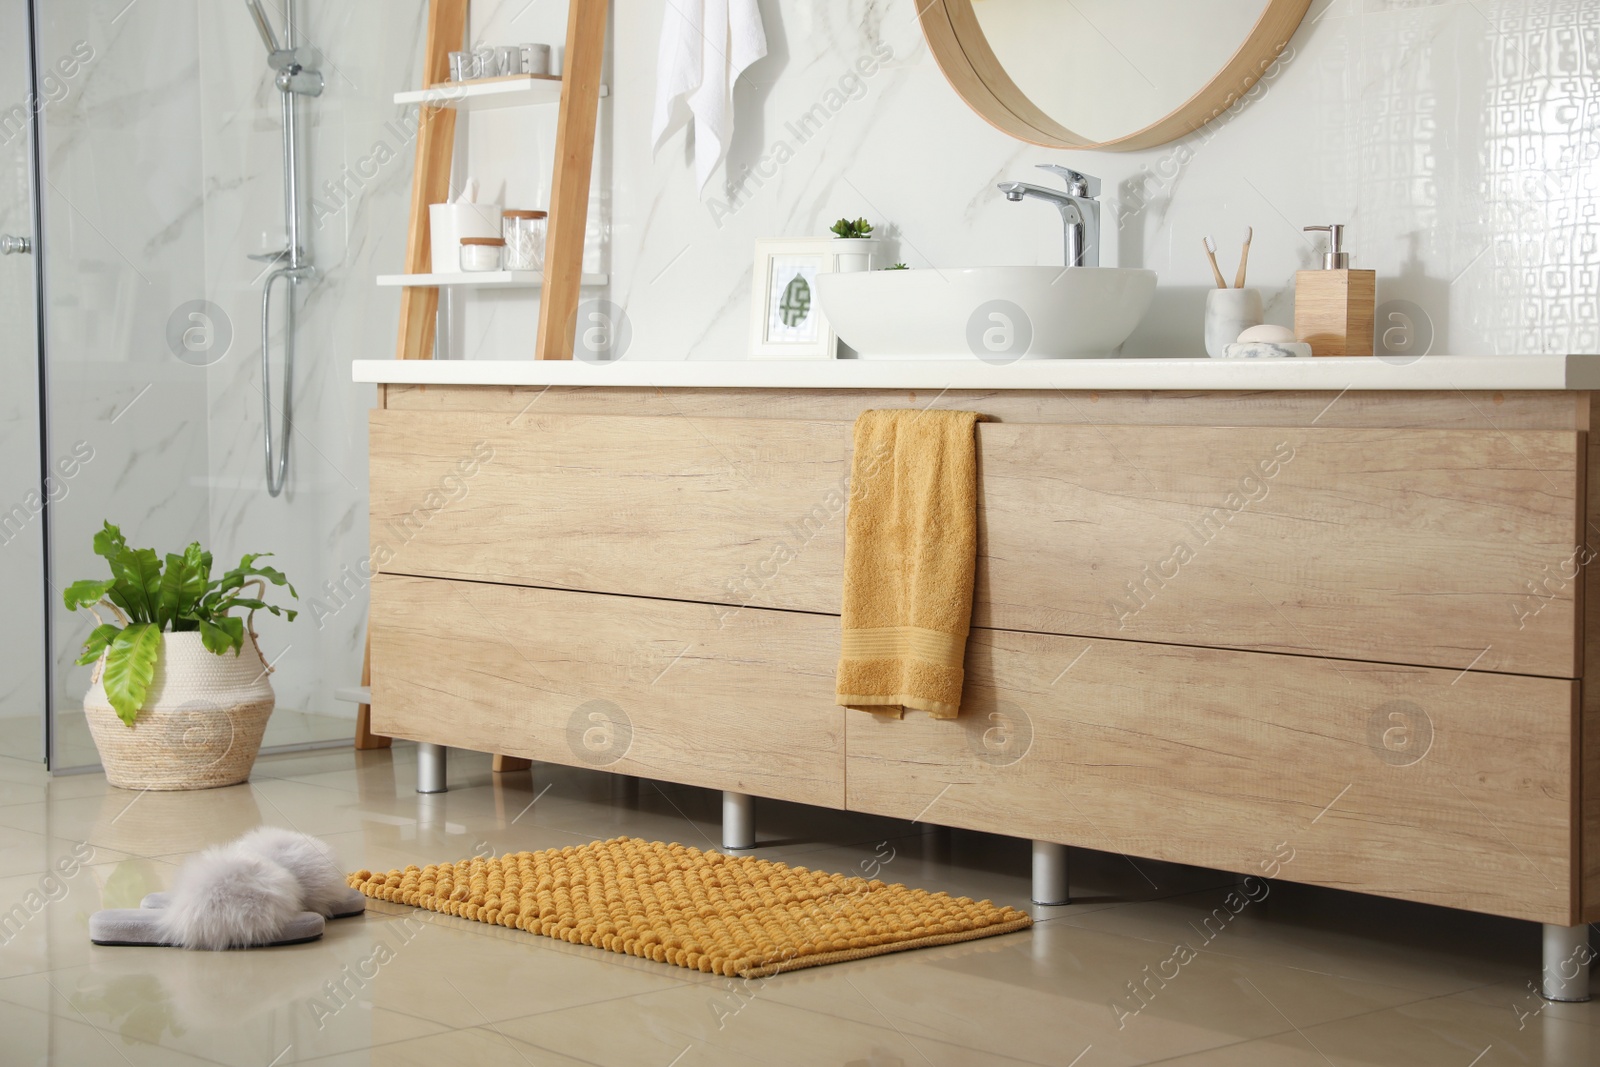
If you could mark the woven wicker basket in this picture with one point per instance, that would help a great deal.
(201, 723)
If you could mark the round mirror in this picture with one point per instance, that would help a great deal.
(1119, 74)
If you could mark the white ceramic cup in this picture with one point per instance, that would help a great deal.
(508, 60)
(536, 59)
(1229, 312)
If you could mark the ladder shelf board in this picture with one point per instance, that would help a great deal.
(481, 279)
(516, 90)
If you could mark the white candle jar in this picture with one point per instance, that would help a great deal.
(481, 253)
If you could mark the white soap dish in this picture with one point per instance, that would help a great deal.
(1266, 350)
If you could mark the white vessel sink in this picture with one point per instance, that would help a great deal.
(997, 314)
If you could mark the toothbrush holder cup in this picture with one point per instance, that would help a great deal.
(1229, 312)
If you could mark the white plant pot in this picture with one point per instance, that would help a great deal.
(854, 254)
(201, 724)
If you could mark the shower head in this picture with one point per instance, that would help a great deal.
(268, 38)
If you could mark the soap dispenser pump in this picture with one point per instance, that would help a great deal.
(1334, 306)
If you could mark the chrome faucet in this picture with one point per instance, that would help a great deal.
(1080, 211)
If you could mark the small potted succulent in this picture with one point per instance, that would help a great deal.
(180, 697)
(854, 245)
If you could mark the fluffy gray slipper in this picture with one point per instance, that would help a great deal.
(223, 898)
(316, 870)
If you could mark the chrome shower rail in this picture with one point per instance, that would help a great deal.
(294, 78)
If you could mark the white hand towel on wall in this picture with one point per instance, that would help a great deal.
(705, 46)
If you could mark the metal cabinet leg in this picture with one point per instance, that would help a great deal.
(1566, 963)
(625, 790)
(431, 768)
(1050, 873)
(738, 820)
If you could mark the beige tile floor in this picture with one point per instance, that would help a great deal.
(1306, 976)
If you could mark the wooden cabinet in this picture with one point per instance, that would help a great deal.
(1356, 635)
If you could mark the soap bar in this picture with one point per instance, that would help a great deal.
(1269, 333)
(1264, 350)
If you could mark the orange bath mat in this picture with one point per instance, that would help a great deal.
(729, 915)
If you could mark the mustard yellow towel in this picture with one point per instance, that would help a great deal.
(911, 544)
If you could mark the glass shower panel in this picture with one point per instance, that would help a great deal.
(160, 194)
(124, 261)
(22, 656)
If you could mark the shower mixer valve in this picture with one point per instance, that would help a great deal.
(295, 73)
(296, 79)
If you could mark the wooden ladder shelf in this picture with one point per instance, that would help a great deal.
(569, 186)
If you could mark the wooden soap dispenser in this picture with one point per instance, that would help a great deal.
(1333, 307)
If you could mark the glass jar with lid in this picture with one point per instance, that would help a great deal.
(524, 233)
(481, 253)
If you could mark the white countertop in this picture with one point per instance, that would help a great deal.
(1370, 373)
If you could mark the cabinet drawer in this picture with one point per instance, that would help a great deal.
(1444, 548)
(1421, 784)
(661, 507)
(673, 691)
(1447, 548)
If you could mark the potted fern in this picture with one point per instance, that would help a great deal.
(180, 696)
(853, 245)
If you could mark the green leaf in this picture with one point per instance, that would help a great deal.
(222, 635)
(200, 561)
(220, 598)
(182, 585)
(248, 603)
(222, 607)
(120, 599)
(138, 572)
(98, 640)
(233, 579)
(170, 591)
(87, 592)
(109, 542)
(130, 667)
(847, 228)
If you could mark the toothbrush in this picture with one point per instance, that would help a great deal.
(1211, 254)
(1244, 257)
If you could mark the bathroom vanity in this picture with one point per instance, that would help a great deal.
(1313, 619)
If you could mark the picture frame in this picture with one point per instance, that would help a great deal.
(786, 318)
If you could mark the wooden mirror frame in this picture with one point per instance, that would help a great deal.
(975, 73)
